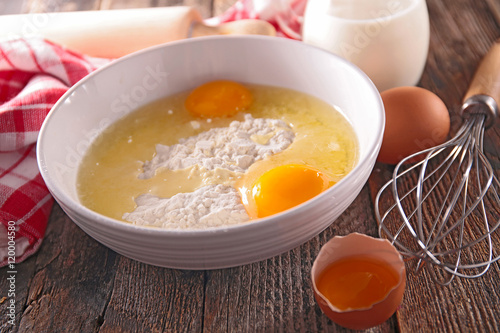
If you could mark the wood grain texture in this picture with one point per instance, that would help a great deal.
(72, 280)
(37, 6)
(461, 33)
(12, 7)
(91, 288)
(220, 6)
(74, 284)
(495, 8)
(204, 7)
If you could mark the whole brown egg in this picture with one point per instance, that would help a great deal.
(416, 119)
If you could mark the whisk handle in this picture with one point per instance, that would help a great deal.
(486, 80)
(485, 85)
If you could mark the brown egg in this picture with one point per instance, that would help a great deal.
(416, 119)
(358, 281)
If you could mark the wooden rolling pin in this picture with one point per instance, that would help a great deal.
(114, 33)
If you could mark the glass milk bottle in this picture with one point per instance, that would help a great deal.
(387, 39)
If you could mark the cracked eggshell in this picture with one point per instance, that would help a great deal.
(356, 244)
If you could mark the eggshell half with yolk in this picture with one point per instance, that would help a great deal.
(357, 245)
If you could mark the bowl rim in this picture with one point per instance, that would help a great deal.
(63, 197)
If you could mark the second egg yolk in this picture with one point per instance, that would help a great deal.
(284, 187)
(220, 98)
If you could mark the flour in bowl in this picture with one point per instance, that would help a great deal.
(199, 154)
(231, 149)
(209, 206)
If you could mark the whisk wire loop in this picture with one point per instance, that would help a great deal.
(436, 209)
(445, 209)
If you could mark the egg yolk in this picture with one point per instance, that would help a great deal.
(284, 187)
(218, 99)
(357, 282)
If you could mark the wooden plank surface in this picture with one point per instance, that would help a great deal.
(495, 8)
(461, 33)
(207, 8)
(74, 284)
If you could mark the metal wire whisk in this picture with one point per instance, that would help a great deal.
(445, 209)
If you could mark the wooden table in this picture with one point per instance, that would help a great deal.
(74, 284)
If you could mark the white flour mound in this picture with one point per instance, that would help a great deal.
(233, 148)
(209, 206)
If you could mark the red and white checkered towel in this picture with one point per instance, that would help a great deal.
(34, 74)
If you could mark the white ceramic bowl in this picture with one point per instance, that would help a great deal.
(113, 91)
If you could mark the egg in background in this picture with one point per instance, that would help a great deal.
(415, 119)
